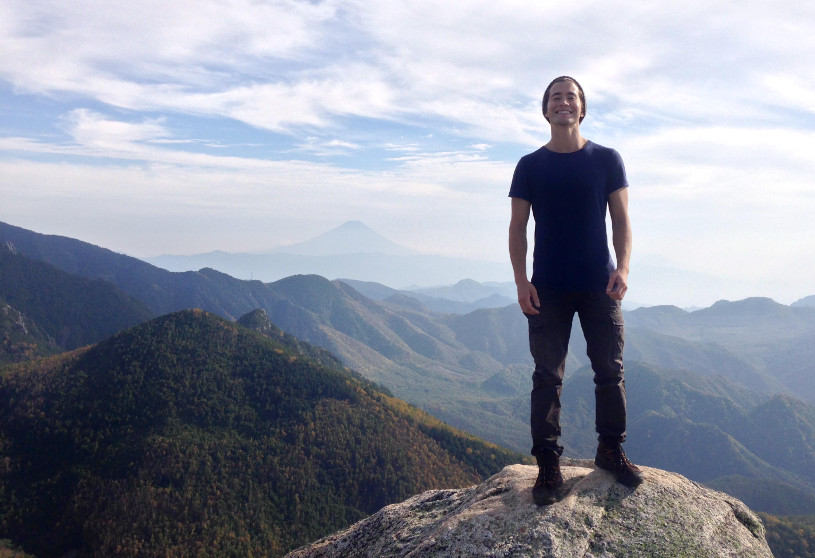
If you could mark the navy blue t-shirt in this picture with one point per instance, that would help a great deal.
(569, 196)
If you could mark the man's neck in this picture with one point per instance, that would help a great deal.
(566, 139)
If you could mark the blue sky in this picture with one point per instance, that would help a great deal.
(174, 128)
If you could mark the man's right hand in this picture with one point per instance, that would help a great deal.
(528, 298)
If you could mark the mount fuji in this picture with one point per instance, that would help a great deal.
(352, 237)
(351, 251)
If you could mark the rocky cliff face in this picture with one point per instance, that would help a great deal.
(667, 516)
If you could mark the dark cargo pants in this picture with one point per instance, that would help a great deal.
(601, 319)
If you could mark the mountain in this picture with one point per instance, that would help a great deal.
(468, 290)
(708, 429)
(737, 325)
(352, 237)
(778, 340)
(162, 291)
(258, 320)
(422, 358)
(666, 517)
(473, 372)
(20, 338)
(806, 301)
(389, 269)
(462, 298)
(500, 333)
(71, 311)
(407, 350)
(666, 351)
(353, 251)
(190, 434)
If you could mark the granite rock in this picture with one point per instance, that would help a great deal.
(667, 516)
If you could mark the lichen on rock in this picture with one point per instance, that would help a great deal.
(667, 516)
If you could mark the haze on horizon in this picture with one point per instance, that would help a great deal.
(152, 128)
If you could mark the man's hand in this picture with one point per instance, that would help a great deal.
(621, 238)
(528, 298)
(617, 284)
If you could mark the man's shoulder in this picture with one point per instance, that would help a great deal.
(593, 148)
(537, 154)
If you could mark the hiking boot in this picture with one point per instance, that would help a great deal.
(612, 458)
(547, 486)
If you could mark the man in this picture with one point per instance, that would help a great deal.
(568, 184)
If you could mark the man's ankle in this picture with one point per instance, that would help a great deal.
(548, 457)
(609, 443)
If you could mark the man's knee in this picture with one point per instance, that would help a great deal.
(613, 380)
(544, 378)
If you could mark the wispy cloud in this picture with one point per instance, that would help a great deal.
(321, 148)
(91, 129)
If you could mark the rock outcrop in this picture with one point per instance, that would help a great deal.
(667, 516)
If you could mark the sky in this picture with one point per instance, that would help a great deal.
(183, 127)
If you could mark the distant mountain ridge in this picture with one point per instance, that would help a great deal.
(462, 298)
(776, 340)
(162, 291)
(806, 301)
(352, 250)
(72, 311)
(352, 237)
(388, 269)
(355, 251)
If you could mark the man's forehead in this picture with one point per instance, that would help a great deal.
(564, 87)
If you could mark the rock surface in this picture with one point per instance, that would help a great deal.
(667, 516)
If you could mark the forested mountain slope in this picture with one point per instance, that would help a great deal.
(190, 433)
(73, 311)
(20, 338)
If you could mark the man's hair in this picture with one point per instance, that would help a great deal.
(579, 92)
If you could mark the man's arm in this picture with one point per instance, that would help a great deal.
(622, 241)
(527, 294)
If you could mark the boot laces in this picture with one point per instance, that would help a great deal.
(548, 475)
(618, 458)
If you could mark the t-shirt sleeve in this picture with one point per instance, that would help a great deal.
(520, 184)
(617, 178)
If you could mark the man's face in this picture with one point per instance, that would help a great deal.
(564, 107)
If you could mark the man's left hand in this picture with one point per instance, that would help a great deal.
(617, 284)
